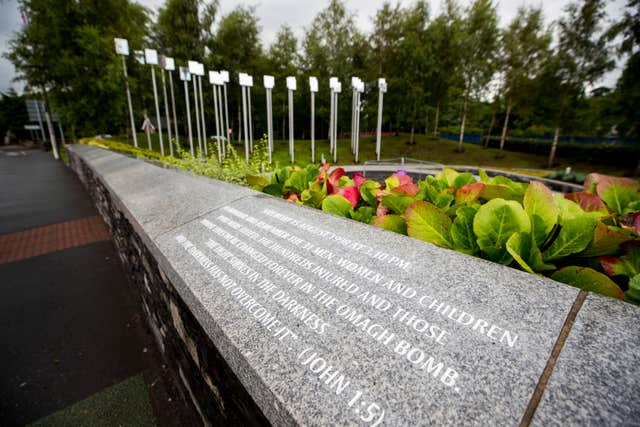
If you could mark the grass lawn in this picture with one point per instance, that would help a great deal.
(426, 148)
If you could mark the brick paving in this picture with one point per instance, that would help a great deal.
(43, 240)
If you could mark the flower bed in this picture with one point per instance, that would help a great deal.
(589, 239)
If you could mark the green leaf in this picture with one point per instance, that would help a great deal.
(619, 194)
(541, 208)
(500, 191)
(313, 196)
(398, 204)
(483, 176)
(363, 214)
(632, 294)
(427, 222)
(273, 189)
(256, 182)
(522, 247)
(589, 280)
(463, 179)
(449, 175)
(336, 204)
(462, 235)
(395, 223)
(297, 182)
(494, 224)
(577, 229)
(368, 192)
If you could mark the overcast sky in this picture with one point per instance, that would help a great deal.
(299, 14)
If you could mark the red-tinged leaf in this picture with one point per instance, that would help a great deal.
(619, 194)
(333, 179)
(358, 179)
(626, 265)
(352, 194)
(382, 210)
(396, 180)
(607, 240)
(609, 264)
(293, 197)
(588, 202)
(408, 189)
(469, 193)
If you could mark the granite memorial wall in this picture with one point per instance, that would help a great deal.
(275, 313)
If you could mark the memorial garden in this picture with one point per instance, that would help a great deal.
(432, 221)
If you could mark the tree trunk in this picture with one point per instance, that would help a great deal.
(504, 130)
(426, 123)
(460, 149)
(487, 139)
(436, 119)
(52, 132)
(554, 146)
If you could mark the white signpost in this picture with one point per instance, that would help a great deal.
(358, 89)
(216, 81)
(151, 58)
(205, 139)
(224, 135)
(382, 88)
(291, 86)
(185, 76)
(193, 70)
(122, 49)
(313, 88)
(225, 80)
(170, 66)
(250, 111)
(245, 83)
(269, 83)
(336, 88)
(163, 65)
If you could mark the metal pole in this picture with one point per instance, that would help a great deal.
(217, 121)
(269, 126)
(331, 122)
(335, 128)
(147, 130)
(244, 122)
(221, 120)
(173, 107)
(188, 108)
(133, 123)
(291, 143)
(52, 135)
(38, 103)
(155, 98)
(354, 96)
(313, 127)
(379, 127)
(197, 117)
(357, 127)
(250, 118)
(226, 114)
(204, 128)
(166, 110)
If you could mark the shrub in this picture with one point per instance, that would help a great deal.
(588, 239)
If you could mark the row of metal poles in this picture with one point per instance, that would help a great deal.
(219, 82)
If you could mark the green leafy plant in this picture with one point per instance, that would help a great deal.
(588, 239)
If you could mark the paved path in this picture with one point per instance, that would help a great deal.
(73, 339)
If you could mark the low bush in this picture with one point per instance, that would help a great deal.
(588, 239)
